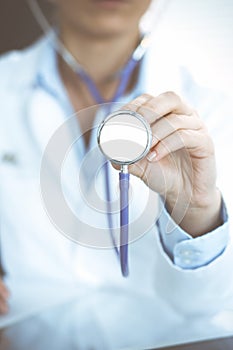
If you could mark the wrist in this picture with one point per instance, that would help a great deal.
(196, 217)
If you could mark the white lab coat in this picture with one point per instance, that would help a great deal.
(160, 303)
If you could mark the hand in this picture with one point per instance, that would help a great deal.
(181, 163)
(4, 294)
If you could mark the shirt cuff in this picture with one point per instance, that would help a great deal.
(188, 252)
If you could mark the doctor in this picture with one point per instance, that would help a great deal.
(174, 272)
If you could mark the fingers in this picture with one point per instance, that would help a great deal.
(4, 294)
(174, 125)
(171, 123)
(192, 140)
(153, 108)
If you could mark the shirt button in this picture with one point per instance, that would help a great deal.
(186, 253)
(188, 256)
(187, 261)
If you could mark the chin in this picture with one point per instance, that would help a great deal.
(108, 28)
(108, 32)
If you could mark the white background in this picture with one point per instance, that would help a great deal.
(200, 34)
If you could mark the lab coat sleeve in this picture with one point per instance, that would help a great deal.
(188, 252)
(199, 280)
(205, 289)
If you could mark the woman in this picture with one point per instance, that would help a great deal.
(182, 256)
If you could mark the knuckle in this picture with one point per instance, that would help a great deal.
(201, 125)
(209, 143)
(143, 98)
(195, 113)
(146, 95)
(138, 101)
(172, 95)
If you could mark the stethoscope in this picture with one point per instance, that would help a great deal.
(124, 137)
(123, 131)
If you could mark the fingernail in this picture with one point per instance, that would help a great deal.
(151, 156)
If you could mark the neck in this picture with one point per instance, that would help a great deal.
(101, 57)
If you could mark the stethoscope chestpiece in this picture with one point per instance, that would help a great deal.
(124, 137)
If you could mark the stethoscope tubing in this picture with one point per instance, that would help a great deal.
(124, 221)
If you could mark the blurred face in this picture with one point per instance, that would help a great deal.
(101, 18)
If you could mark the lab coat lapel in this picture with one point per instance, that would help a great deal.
(45, 117)
(59, 142)
(54, 135)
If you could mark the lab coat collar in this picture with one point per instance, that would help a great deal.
(24, 65)
(47, 119)
(45, 114)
